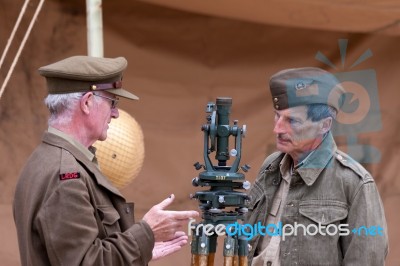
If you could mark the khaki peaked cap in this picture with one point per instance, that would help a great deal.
(85, 73)
(304, 86)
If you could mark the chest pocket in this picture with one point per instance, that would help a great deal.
(109, 219)
(323, 212)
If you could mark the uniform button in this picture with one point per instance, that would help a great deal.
(275, 99)
(340, 157)
(275, 181)
(277, 106)
(127, 210)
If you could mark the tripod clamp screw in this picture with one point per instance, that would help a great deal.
(221, 199)
(246, 185)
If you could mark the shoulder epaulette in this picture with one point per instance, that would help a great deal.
(345, 160)
(69, 167)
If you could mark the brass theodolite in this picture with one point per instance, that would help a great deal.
(223, 180)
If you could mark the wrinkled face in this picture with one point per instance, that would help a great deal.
(103, 113)
(295, 134)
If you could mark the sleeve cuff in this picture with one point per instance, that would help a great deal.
(145, 238)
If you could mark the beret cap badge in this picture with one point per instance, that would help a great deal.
(300, 86)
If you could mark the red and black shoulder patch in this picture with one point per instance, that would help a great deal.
(67, 176)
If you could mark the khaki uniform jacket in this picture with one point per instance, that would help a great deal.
(67, 213)
(331, 190)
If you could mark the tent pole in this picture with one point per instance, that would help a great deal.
(94, 22)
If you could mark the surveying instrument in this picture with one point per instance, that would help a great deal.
(221, 205)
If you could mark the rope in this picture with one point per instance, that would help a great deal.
(21, 14)
(21, 47)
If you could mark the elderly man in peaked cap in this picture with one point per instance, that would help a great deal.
(317, 205)
(65, 210)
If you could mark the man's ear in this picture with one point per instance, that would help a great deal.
(325, 125)
(86, 102)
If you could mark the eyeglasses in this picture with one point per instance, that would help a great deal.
(114, 101)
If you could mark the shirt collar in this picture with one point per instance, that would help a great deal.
(285, 167)
(310, 167)
(89, 153)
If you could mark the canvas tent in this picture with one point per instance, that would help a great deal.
(183, 54)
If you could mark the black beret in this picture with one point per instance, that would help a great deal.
(304, 86)
(85, 73)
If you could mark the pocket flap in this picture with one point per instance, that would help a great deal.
(108, 214)
(323, 211)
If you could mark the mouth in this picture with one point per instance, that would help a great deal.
(283, 140)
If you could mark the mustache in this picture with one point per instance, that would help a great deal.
(283, 137)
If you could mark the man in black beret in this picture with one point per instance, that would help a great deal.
(66, 211)
(313, 204)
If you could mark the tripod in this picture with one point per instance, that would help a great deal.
(203, 248)
(223, 181)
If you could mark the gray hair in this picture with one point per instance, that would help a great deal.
(316, 112)
(61, 106)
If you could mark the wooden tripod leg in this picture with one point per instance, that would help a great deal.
(200, 249)
(210, 261)
(243, 261)
(212, 249)
(236, 260)
(228, 261)
(243, 252)
(195, 260)
(203, 260)
(229, 251)
(193, 245)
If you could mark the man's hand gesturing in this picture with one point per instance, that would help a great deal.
(166, 223)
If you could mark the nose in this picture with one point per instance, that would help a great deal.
(279, 127)
(114, 113)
